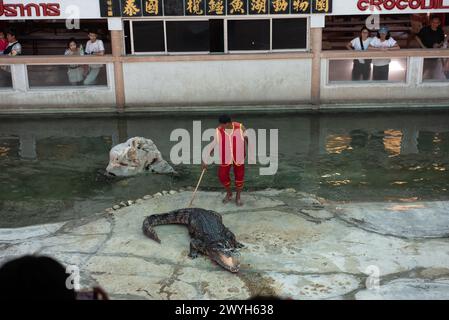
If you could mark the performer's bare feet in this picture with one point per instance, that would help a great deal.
(228, 196)
(238, 201)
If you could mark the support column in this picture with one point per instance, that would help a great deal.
(316, 34)
(28, 147)
(115, 26)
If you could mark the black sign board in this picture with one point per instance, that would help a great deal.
(237, 7)
(195, 7)
(280, 6)
(131, 8)
(173, 7)
(258, 7)
(321, 6)
(300, 6)
(215, 7)
(152, 8)
(139, 8)
(110, 8)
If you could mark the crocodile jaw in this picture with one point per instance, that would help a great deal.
(230, 263)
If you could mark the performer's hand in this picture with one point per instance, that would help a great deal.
(203, 166)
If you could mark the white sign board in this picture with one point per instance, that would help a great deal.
(49, 9)
(353, 7)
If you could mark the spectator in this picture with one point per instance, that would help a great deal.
(75, 72)
(431, 37)
(3, 42)
(34, 278)
(383, 42)
(93, 47)
(361, 68)
(14, 48)
(40, 278)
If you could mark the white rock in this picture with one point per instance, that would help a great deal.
(172, 192)
(137, 150)
(164, 192)
(148, 196)
(116, 207)
(157, 194)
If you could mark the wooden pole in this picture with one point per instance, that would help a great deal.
(197, 185)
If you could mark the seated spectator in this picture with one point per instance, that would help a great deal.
(14, 48)
(39, 278)
(383, 42)
(93, 47)
(361, 68)
(76, 72)
(3, 42)
(432, 37)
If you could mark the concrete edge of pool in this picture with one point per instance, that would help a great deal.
(406, 106)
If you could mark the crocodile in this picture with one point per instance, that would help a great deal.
(209, 236)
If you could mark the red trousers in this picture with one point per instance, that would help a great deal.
(239, 175)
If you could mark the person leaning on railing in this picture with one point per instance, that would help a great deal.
(383, 42)
(14, 47)
(432, 37)
(76, 72)
(3, 42)
(93, 47)
(361, 68)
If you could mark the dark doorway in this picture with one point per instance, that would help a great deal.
(216, 32)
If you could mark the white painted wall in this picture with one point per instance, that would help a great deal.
(217, 82)
(413, 88)
(65, 97)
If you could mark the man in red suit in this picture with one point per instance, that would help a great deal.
(232, 141)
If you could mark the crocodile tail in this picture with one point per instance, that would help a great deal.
(180, 216)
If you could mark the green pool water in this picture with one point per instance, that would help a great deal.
(48, 166)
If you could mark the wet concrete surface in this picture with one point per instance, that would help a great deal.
(297, 245)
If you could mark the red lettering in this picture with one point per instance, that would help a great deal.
(363, 5)
(53, 10)
(415, 4)
(29, 10)
(376, 4)
(402, 6)
(389, 4)
(10, 10)
(442, 5)
(30, 6)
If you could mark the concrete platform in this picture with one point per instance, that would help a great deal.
(296, 245)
